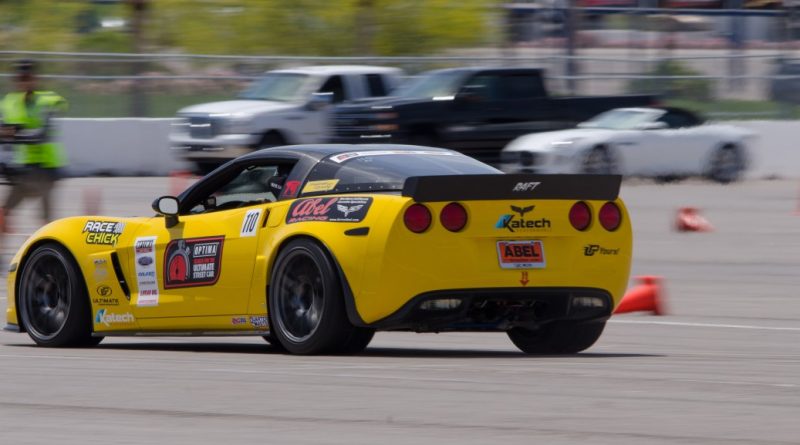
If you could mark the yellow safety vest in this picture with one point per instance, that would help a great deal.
(15, 111)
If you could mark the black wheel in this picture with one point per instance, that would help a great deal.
(54, 308)
(598, 161)
(357, 341)
(559, 337)
(306, 307)
(727, 165)
(271, 139)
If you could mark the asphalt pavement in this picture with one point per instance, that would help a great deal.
(722, 368)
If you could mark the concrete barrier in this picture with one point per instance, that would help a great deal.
(131, 146)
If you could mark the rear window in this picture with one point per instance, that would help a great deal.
(387, 170)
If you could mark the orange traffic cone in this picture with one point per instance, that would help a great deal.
(689, 220)
(644, 297)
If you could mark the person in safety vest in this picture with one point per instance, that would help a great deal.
(26, 123)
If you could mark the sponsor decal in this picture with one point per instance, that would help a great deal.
(518, 223)
(100, 269)
(250, 223)
(109, 318)
(338, 209)
(193, 262)
(528, 254)
(357, 154)
(105, 301)
(259, 321)
(144, 249)
(592, 249)
(103, 232)
(290, 189)
(525, 186)
(237, 321)
(320, 186)
(104, 290)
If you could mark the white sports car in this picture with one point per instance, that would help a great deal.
(665, 143)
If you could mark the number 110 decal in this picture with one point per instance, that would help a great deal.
(250, 222)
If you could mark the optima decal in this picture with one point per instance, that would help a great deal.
(512, 223)
(103, 232)
(339, 209)
(193, 262)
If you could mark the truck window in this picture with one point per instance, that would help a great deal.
(376, 85)
(485, 86)
(523, 86)
(335, 86)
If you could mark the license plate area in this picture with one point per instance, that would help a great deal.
(528, 254)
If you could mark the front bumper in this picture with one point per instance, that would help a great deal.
(498, 309)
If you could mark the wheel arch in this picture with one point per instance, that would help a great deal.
(347, 292)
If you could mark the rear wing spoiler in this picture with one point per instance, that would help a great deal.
(512, 186)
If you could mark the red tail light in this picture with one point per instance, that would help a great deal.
(610, 216)
(580, 216)
(417, 218)
(453, 217)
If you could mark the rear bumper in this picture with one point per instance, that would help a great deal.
(498, 309)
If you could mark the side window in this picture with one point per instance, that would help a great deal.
(255, 184)
(675, 119)
(376, 85)
(523, 86)
(485, 86)
(335, 86)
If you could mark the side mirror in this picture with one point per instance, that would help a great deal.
(652, 126)
(319, 101)
(167, 206)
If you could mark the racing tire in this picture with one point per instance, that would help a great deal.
(727, 165)
(306, 305)
(559, 337)
(599, 161)
(53, 302)
(358, 340)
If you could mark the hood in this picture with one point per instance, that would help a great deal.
(546, 141)
(238, 107)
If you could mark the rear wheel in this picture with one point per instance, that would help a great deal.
(54, 308)
(560, 337)
(598, 161)
(726, 165)
(306, 306)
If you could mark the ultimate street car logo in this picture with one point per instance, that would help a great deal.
(339, 209)
(518, 222)
(193, 262)
(103, 232)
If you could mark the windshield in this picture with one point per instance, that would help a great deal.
(387, 170)
(621, 119)
(437, 84)
(281, 87)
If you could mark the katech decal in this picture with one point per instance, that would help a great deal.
(592, 249)
(103, 232)
(193, 262)
(250, 223)
(144, 249)
(338, 209)
(514, 223)
(108, 318)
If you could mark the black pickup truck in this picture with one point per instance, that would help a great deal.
(474, 110)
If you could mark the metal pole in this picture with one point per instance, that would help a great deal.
(138, 97)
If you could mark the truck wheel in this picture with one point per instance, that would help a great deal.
(306, 305)
(559, 337)
(598, 161)
(53, 304)
(726, 165)
(271, 139)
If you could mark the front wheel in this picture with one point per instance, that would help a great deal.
(599, 161)
(54, 308)
(559, 337)
(306, 306)
(727, 165)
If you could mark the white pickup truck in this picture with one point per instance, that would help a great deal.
(288, 106)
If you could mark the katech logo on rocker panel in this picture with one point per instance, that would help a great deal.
(103, 232)
(518, 222)
(108, 318)
(193, 262)
(339, 209)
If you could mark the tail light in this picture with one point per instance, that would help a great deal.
(610, 216)
(417, 218)
(453, 217)
(580, 216)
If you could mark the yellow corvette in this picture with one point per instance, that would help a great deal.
(317, 247)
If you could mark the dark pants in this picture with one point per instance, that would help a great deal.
(32, 182)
